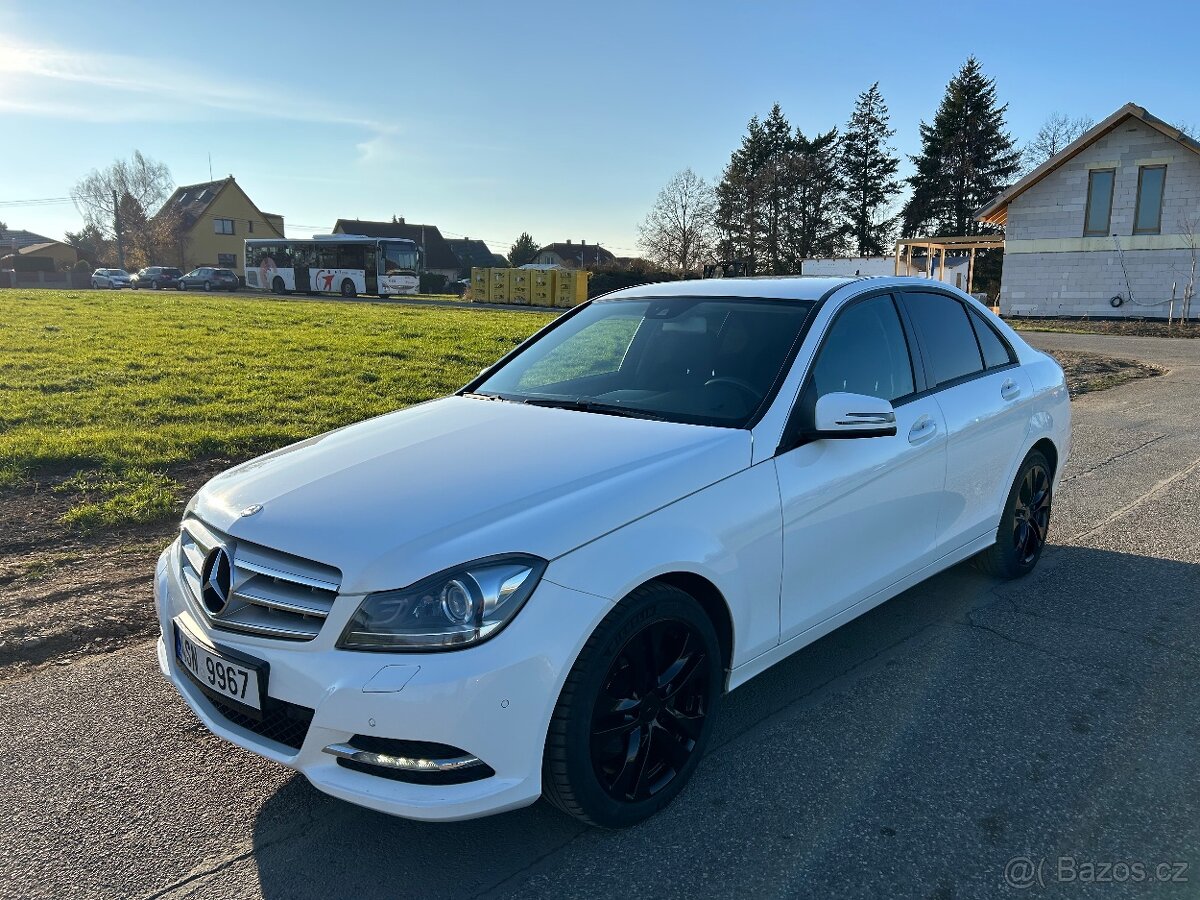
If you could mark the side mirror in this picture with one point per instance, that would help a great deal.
(842, 415)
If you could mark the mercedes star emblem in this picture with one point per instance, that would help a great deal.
(216, 580)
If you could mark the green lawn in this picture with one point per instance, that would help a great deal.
(121, 391)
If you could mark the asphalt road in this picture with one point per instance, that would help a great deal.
(914, 752)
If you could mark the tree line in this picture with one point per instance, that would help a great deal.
(786, 196)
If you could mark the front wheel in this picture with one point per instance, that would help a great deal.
(179, 286)
(1024, 523)
(277, 286)
(155, 285)
(348, 290)
(208, 287)
(636, 711)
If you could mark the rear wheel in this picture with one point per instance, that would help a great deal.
(636, 711)
(156, 285)
(1024, 523)
(179, 286)
(348, 289)
(208, 286)
(277, 285)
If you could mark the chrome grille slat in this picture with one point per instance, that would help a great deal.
(272, 572)
(273, 594)
(278, 595)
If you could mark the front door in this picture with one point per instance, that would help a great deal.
(860, 514)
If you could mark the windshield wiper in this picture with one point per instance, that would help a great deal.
(583, 404)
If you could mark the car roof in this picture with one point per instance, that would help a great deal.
(773, 287)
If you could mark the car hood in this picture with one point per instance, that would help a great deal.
(394, 499)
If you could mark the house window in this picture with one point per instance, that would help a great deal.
(250, 226)
(227, 260)
(1098, 215)
(223, 226)
(1148, 217)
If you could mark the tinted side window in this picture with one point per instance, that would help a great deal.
(948, 336)
(995, 351)
(865, 353)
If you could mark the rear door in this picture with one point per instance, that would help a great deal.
(983, 396)
(860, 514)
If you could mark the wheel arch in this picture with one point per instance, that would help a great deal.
(1048, 449)
(711, 600)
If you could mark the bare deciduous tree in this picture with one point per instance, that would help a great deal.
(98, 193)
(1055, 134)
(679, 232)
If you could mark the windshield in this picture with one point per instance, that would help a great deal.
(697, 360)
(399, 258)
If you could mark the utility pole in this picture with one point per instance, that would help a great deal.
(117, 228)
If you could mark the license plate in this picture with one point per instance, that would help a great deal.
(224, 677)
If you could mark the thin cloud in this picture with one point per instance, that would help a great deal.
(58, 83)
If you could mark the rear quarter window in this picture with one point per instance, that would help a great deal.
(996, 351)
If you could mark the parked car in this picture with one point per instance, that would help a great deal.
(110, 278)
(156, 278)
(681, 485)
(206, 278)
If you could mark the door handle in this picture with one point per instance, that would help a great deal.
(923, 429)
(1010, 390)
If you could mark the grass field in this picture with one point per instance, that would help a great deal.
(107, 397)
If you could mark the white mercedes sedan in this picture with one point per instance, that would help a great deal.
(545, 584)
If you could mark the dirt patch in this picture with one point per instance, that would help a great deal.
(68, 593)
(1127, 327)
(1090, 372)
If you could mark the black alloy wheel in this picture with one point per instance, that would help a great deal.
(1025, 522)
(650, 712)
(1031, 519)
(636, 711)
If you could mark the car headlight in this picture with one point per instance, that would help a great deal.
(455, 608)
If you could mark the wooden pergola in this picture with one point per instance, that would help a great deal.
(940, 245)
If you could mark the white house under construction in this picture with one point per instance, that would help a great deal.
(1108, 227)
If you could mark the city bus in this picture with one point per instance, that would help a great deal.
(346, 264)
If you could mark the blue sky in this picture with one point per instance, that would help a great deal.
(487, 119)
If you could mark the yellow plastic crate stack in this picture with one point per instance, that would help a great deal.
(570, 287)
(562, 288)
(519, 283)
(541, 291)
(498, 286)
(481, 282)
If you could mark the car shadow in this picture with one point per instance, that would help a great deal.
(960, 724)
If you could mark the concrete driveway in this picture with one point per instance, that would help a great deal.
(913, 753)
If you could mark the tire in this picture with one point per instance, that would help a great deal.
(179, 286)
(134, 285)
(1025, 522)
(666, 727)
(277, 286)
(208, 287)
(155, 285)
(348, 290)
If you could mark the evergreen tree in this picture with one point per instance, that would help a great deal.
(868, 166)
(814, 225)
(967, 157)
(524, 250)
(779, 198)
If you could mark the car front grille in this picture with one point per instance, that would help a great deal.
(271, 594)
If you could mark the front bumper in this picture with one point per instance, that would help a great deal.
(493, 701)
